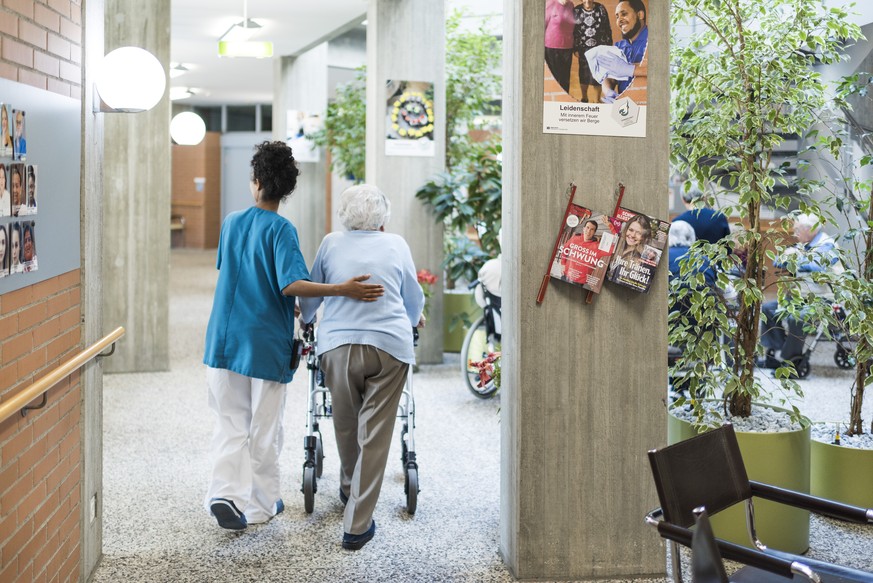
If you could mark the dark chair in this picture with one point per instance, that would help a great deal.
(708, 471)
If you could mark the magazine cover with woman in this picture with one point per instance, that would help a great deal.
(641, 243)
(585, 244)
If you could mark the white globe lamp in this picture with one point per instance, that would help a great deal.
(130, 79)
(187, 129)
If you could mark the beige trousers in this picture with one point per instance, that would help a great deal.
(365, 388)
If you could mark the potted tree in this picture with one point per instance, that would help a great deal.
(740, 88)
(842, 465)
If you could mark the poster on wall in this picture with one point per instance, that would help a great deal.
(596, 67)
(410, 119)
(299, 125)
(28, 206)
(16, 179)
(19, 135)
(6, 148)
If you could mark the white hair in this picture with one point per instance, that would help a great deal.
(364, 207)
(812, 222)
(681, 234)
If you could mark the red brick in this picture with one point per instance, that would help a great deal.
(17, 52)
(31, 456)
(48, 287)
(59, 303)
(30, 33)
(68, 401)
(9, 571)
(70, 569)
(71, 30)
(59, 346)
(71, 443)
(62, 7)
(8, 326)
(17, 444)
(70, 72)
(16, 542)
(19, 490)
(42, 468)
(31, 548)
(46, 17)
(47, 331)
(76, 54)
(8, 476)
(32, 78)
(59, 46)
(8, 376)
(31, 502)
(76, 91)
(15, 300)
(44, 556)
(29, 317)
(59, 87)
(75, 295)
(76, 12)
(8, 524)
(72, 318)
(32, 365)
(8, 71)
(22, 7)
(25, 572)
(69, 279)
(42, 421)
(17, 346)
(9, 25)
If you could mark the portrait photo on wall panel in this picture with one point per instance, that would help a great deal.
(19, 134)
(5, 196)
(28, 246)
(6, 148)
(16, 184)
(4, 251)
(30, 182)
(15, 265)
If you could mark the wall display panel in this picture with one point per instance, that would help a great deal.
(39, 185)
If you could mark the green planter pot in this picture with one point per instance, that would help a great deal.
(843, 474)
(780, 459)
(456, 303)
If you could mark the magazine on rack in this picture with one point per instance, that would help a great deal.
(641, 242)
(585, 243)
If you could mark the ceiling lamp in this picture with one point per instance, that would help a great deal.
(177, 93)
(236, 42)
(130, 80)
(177, 70)
(187, 129)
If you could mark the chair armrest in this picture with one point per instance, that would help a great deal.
(815, 504)
(734, 552)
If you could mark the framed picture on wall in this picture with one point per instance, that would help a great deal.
(16, 180)
(5, 251)
(5, 196)
(28, 246)
(19, 134)
(29, 203)
(6, 148)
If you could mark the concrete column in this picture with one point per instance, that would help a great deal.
(301, 84)
(406, 42)
(92, 294)
(583, 384)
(136, 209)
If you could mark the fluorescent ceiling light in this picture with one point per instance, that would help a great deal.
(255, 49)
(241, 31)
(177, 70)
(177, 93)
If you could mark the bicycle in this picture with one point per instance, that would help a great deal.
(480, 349)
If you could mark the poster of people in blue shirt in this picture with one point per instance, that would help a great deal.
(596, 67)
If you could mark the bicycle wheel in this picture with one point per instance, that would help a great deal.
(475, 348)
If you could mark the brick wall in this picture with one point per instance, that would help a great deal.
(40, 328)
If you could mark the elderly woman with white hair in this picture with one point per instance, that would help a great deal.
(365, 352)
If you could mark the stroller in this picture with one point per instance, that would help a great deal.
(844, 345)
(319, 407)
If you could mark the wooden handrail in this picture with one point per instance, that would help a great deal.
(18, 402)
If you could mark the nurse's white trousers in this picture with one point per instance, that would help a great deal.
(246, 444)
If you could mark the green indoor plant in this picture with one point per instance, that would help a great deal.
(741, 86)
(739, 89)
(345, 128)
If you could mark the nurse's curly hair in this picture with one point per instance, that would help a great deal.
(274, 168)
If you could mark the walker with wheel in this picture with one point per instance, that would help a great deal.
(318, 406)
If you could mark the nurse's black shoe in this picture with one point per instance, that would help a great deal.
(343, 498)
(227, 514)
(354, 542)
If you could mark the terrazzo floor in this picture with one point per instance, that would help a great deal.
(157, 430)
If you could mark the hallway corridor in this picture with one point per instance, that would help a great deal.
(157, 431)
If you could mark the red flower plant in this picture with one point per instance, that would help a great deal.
(426, 279)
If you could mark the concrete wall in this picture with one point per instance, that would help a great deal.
(41, 455)
(406, 41)
(136, 210)
(583, 384)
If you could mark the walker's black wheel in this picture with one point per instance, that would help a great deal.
(411, 488)
(801, 365)
(308, 489)
(843, 359)
(319, 457)
(404, 449)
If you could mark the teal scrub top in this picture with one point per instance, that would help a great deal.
(251, 328)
